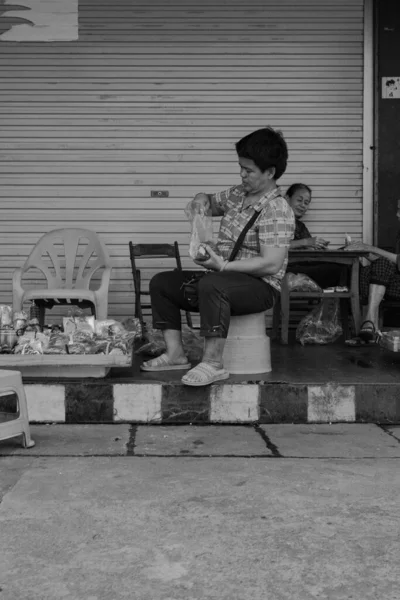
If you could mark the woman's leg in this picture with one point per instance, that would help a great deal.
(220, 296)
(381, 274)
(167, 301)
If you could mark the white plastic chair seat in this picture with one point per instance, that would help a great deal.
(11, 382)
(42, 294)
(247, 349)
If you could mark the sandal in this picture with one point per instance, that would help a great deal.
(204, 374)
(368, 332)
(355, 342)
(161, 363)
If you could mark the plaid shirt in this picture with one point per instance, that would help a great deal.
(274, 227)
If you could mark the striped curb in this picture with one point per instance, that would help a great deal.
(77, 402)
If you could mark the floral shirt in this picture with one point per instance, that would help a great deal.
(301, 232)
(274, 227)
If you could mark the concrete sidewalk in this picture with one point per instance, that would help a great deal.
(339, 440)
(275, 512)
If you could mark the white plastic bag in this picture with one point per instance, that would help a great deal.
(299, 282)
(201, 229)
(321, 325)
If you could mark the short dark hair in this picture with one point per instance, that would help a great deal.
(295, 187)
(266, 148)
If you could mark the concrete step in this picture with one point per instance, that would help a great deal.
(312, 384)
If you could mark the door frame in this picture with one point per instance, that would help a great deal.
(369, 167)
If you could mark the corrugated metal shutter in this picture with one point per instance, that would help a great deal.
(153, 96)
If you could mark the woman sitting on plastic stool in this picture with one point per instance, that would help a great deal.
(250, 283)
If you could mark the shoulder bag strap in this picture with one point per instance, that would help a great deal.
(241, 237)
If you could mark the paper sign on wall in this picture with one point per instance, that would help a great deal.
(390, 87)
(38, 20)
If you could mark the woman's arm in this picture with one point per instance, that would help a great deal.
(269, 262)
(297, 244)
(373, 250)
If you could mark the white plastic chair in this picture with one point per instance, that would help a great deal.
(68, 275)
(11, 382)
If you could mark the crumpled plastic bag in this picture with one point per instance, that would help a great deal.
(155, 345)
(321, 325)
(201, 230)
(299, 282)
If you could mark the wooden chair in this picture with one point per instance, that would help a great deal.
(281, 312)
(68, 259)
(151, 251)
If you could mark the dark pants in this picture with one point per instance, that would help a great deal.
(381, 272)
(324, 274)
(220, 296)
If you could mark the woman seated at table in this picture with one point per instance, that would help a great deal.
(379, 280)
(250, 283)
(324, 274)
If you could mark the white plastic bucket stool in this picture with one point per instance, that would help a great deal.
(247, 349)
(11, 382)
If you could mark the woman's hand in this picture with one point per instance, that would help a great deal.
(360, 247)
(201, 204)
(317, 243)
(214, 263)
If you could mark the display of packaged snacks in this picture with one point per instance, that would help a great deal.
(78, 334)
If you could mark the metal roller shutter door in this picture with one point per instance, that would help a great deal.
(152, 96)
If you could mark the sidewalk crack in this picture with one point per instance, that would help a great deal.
(130, 446)
(383, 427)
(270, 445)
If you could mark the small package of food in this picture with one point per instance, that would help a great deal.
(6, 319)
(57, 343)
(72, 324)
(32, 345)
(390, 340)
(20, 320)
(109, 328)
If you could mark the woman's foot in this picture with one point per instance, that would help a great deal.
(164, 363)
(204, 374)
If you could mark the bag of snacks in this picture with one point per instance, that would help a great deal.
(6, 319)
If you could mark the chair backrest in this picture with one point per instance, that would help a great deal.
(68, 258)
(153, 251)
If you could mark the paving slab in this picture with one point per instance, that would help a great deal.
(103, 528)
(339, 440)
(71, 440)
(393, 430)
(212, 440)
(11, 471)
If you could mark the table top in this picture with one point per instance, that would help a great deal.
(328, 254)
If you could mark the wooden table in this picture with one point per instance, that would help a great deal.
(341, 257)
